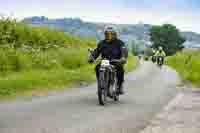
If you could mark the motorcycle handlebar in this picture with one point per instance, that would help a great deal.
(111, 61)
(115, 61)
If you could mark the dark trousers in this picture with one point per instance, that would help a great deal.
(120, 73)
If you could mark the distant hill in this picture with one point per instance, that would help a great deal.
(80, 28)
(193, 39)
(191, 36)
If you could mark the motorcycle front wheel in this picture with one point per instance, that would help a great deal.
(102, 93)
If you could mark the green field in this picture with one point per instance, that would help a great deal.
(34, 61)
(187, 64)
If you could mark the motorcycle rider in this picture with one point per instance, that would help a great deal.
(112, 48)
(160, 53)
(153, 56)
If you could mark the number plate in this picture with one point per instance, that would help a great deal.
(105, 63)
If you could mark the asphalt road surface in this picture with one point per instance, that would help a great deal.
(148, 90)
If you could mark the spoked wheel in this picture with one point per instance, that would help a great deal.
(102, 93)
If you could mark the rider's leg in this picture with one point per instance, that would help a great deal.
(120, 77)
(97, 70)
(97, 73)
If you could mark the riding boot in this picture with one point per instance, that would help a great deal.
(109, 93)
(120, 89)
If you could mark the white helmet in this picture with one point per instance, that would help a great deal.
(160, 48)
(111, 28)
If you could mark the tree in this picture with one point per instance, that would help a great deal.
(134, 48)
(137, 47)
(167, 36)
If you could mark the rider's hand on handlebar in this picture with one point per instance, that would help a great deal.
(119, 61)
(123, 60)
(90, 61)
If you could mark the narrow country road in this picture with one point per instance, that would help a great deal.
(148, 89)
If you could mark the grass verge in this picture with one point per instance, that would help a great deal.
(187, 64)
(40, 82)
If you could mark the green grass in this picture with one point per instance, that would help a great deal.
(23, 82)
(187, 64)
(132, 64)
(34, 61)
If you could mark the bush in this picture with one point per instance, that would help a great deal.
(187, 63)
(18, 35)
(26, 48)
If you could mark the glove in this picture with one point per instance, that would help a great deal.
(123, 60)
(90, 61)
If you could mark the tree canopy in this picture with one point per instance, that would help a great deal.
(167, 36)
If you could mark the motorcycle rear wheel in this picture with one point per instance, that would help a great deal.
(102, 93)
(115, 95)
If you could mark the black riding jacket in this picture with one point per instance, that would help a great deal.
(115, 49)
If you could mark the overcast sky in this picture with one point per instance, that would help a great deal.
(185, 14)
